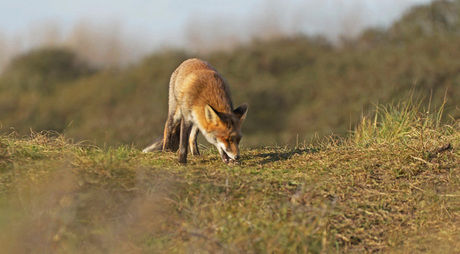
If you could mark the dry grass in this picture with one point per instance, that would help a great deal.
(368, 192)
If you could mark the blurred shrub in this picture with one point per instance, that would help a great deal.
(31, 80)
(439, 18)
(42, 69)
(118, 105)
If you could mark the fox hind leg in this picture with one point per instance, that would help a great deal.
(172, 131)
(173, 123)
(173, 144)
(171, 134)
(185, 129)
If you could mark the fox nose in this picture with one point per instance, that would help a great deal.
(237, 157)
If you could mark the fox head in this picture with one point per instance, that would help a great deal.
(224, 131)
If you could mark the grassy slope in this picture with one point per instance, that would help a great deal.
(392, 185)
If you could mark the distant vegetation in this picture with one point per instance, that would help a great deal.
(296, 87)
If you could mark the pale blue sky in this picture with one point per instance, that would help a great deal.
(154, 16)
(201, 24)
(172, 15)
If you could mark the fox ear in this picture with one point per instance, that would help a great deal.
(241, 111)
(211, 115)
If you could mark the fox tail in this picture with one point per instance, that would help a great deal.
(157, 145)
(173, 145)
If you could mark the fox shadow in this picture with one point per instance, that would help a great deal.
(275, 156)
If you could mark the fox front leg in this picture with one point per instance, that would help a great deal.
(192, 141)
(185, 130)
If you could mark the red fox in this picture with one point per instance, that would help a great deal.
(199, 101)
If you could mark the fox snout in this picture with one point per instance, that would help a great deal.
(233, 155)
(228, 155)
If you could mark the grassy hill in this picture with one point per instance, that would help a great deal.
(391, 186)
(296, 87)
(389, 182)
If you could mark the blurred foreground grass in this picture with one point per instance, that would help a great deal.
(385, 187)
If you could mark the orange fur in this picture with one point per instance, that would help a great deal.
(199, 97)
